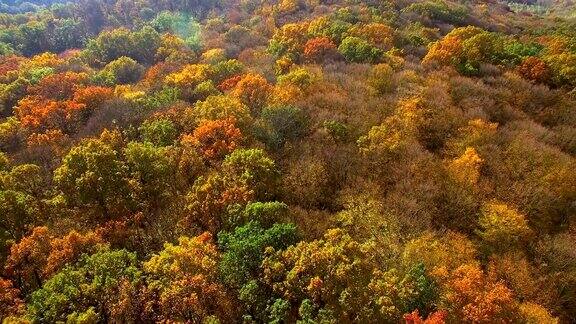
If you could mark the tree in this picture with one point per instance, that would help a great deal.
(253, 90)
(69, 248)
(49, 145)
(336, 29)
(434, 318)
(45, 60)
(466, 48)
(153, 168)
(189, 77)
(358, 50)
(244, 247)
(155, 75)
(562, 67)
(26, 178)
(229, 83)
(204, 90)
(28, 259)
(174, 49)
(6, 49)
(515, 269)
(300, 77)
(160, 132)
(476, 133)
(215, 138)
(484, 47)
(182, 282)
(33, 37)
(190, 164)
(281, 124)
(533, 313)
(93, 97)
(292, 273)
(447, 50)
(386, 142)
(10, 301)
(98, 281)
(210, 199)
(92, 173)
(502, 226)
(365, 218)
(40, 114)
(222, 107)
(289, 40)
(286, 94)
(124, 70)
(319, 49)
(67, 34)
(381, 78)
(334, 272)
(472, 296)
(265, 213)
(439, 252)
(556, 251)
(111, 45)
(466, 168)
(420, 291)
(10, 133)
(534, 69)
(254, 169)
(340, 276)
(213, 56)
(377, 34)
(4, 162)
(437, 10)
(226, 69)
(19, 211)
(58, 86)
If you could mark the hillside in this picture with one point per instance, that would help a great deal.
(291, 161)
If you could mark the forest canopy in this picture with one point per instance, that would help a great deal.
(287, 161)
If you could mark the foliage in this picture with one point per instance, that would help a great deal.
(252, 168)
(355, 49)
(466, 48)
(281, 124)
(466, 168)
(9, 299)
(153, 167)
(338, 274)
(114, 44)
(160, 132)
(222, 107)
(183, 280)
(381, 77)
(215, 138)
(92, 173)
(123, 70)
(253, 90)
(299, 77)
(319, 49)
(503, 226)
(94, 281)
(243, 249)
(210, 199)
(475, 297)
(439, 10)
(359, 161)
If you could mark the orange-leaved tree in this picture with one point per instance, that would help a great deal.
(214, 139)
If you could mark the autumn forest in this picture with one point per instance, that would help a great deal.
(287, 161)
